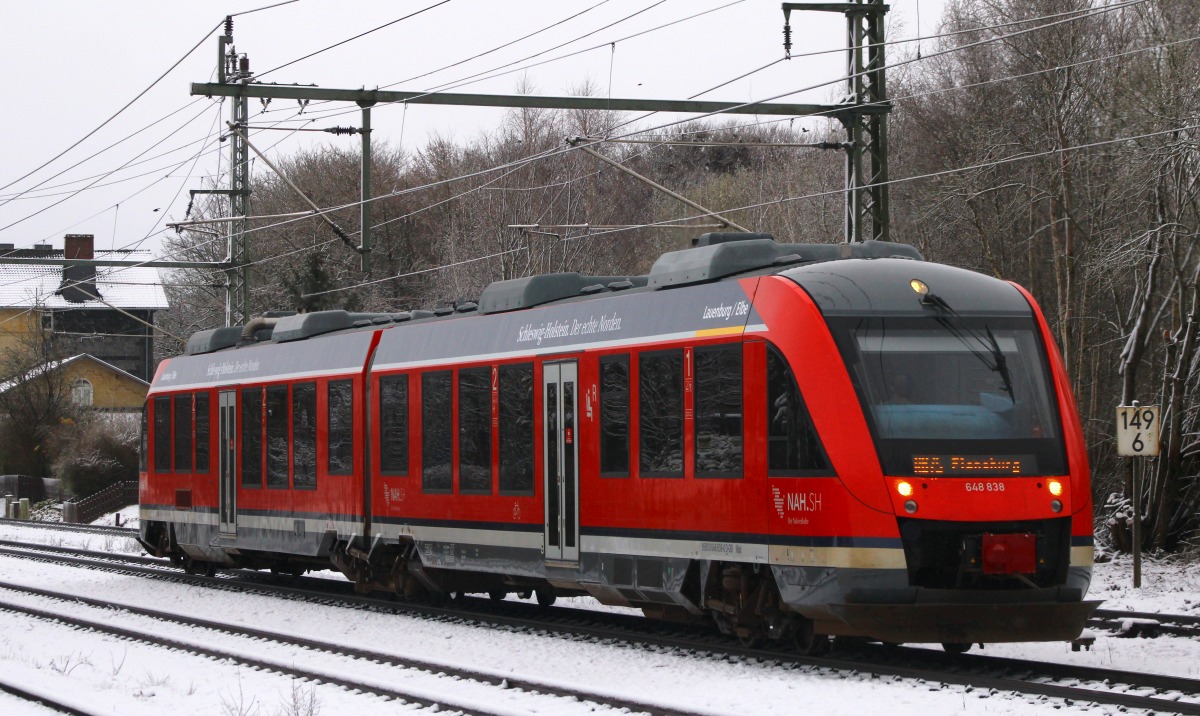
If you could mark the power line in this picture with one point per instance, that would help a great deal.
(501, 47)
(350, 39)
(930, 175)
(77, 191)
(709, 114)
(127, 137)
(834, 192)
(471, 79)
(118, 112)
(555, 153)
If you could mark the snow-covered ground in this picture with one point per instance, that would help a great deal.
(105, 675)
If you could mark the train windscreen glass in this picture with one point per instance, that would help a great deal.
(955, 396)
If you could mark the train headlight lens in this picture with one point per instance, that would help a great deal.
(904, 488)
(910, 506)
(919, 286)
(1056, 505)
(1055, 488)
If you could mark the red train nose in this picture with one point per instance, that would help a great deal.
(1009, 553)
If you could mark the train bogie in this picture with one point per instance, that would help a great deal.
(785, 441)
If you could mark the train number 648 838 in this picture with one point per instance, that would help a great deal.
(985, 487)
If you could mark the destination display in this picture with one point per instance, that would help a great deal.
(974, 464)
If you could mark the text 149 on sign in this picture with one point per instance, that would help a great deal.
(1137, 431)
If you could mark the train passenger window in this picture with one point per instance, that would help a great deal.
(614, 416)
(145, 449)
(393, 424)
(277, 437)
(793, 448)
(202, 432)
(304, 436)
(252, 424)
(183, 433)
(341, 427)
(516, 429)
(718, 411)
(475, 430)
(162, 434)
(437, 426)
(660, 394)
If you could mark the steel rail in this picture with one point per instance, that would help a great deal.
(494, 679)
(1012, 675)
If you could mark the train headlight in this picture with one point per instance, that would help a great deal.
(1056, 505)
(1055, 488)
(905, 488)
(919, 286)
(910, 506)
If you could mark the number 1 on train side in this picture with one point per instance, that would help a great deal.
(1137, 431)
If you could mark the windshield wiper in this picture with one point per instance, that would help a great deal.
(954, 323)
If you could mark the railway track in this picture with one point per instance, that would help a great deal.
(1130, 624)
(67, 527)
(1040, 680)
(42, 699)
(557, 696)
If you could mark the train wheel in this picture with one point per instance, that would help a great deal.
(545, 597)
(525, 594)
(208, 569)
(956, 647)
(809, 643)
(497, 596)
(189, 566)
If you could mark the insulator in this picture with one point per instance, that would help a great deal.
(229, 25)
(244, 64)
(787, 40)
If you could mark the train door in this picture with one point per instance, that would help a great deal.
(560, 460)
(227, 411)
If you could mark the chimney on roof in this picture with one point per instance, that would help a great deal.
(79, 246)
(79, 280)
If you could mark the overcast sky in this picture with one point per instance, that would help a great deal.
(75, 63)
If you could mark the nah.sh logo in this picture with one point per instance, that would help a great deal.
(795, 502)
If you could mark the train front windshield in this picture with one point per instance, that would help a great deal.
(952, 395)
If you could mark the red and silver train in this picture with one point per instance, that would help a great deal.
(786, 440)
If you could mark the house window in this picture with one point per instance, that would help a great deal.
(81, 393)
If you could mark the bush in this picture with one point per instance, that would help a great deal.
(101, 451)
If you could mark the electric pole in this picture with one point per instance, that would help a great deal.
(865, 115)
(235, 70)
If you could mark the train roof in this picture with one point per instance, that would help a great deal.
(714, 256)
(687, 293)
(891, 287)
